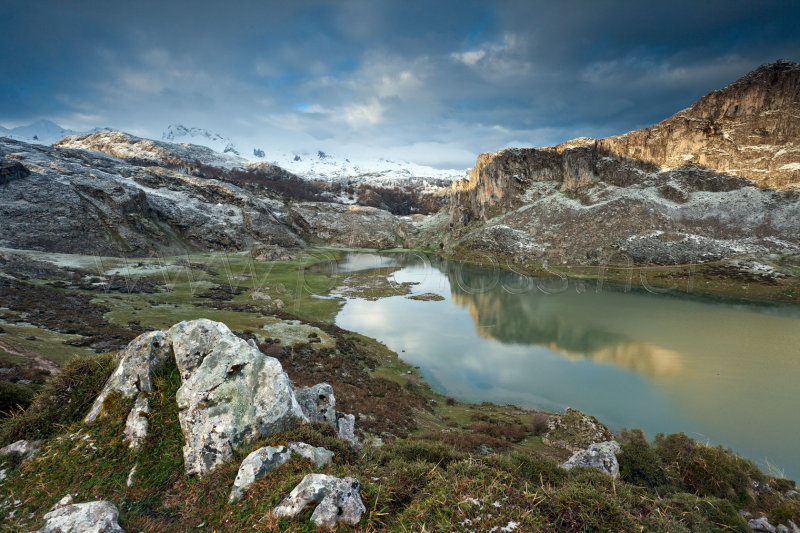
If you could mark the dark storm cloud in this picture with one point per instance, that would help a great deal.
(433, 81)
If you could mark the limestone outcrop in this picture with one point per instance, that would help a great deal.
(348, 226)
(338, 499)
(600, 455)
(575, 431)
(718, 179)
(109, 193)
(231, 394)
(257, 465)
(91, 517)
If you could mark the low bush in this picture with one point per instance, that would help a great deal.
(639, 464)
(64, 399)
(14, 397)
(707, 470)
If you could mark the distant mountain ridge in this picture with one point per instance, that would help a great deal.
(319, 164)
(41, 132)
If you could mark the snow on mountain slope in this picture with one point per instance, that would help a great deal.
(125, 146)
(318, 165)
(178, 133)
(40, 132)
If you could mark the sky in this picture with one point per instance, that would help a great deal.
(434, 82)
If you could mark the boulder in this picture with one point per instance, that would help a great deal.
(339, 500)
(318, 403)
(137, 363)
(137, 422)
(255, 466)
(574, 431)
(231, 393)
(346, 427)
(761, 524)
(92, 517)
(22, 447)
(317, 454)
(601, 455)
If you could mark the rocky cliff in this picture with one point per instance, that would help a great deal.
(718, 179)
(80, 200)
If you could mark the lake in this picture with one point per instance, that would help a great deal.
(722, 373)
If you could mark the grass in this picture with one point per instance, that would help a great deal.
(432, 474)
(420, 483)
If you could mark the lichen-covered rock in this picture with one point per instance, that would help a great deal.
(653, 193)
(137, 363)
(255, 466)
(600, 455)
(318, 403)
(339, 500)
(761, 524)
(92, 517)
(22, 447)
(575, 431)
(350, 226)
(231, 393)
(346, 428)
(317, 454)
(137, 422)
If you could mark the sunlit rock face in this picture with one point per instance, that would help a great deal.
(718, 179)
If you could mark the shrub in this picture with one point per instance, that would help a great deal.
(64, 399)
(707, 470)
(703, 514)
(639, 464)
(14, 397)
(419, 450)
(536, 468)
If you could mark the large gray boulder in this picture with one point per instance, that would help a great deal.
(339, 500)
(318, 403)
(600, 455)
(92, 517)
(231, 395)
(255, 466)
(134, 374)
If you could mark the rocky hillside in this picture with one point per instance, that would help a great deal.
(718, 179)
(139, 200)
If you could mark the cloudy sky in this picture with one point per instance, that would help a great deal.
(435, 82)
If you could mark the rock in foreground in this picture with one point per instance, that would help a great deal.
(339, 500)
(574, 431)
(231, 393)
(91, 517)
(257, 465)
(601, 455)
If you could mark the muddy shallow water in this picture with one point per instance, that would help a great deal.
(723, 373)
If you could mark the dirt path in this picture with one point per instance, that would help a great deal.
(39, 361)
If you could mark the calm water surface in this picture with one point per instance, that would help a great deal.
(724, 374)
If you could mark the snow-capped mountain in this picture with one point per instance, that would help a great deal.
(318, 165)
(322, 166)
(40, 132)
(178, 133)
